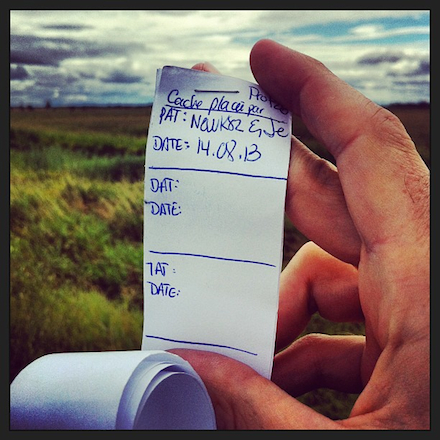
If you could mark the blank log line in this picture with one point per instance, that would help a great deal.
(255, 176)
(213, 257)
(206, 344)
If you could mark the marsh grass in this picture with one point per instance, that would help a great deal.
(75, 258)
(56, 158)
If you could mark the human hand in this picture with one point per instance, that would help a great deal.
(368, 222)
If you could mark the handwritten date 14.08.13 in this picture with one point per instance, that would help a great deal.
(228, 150)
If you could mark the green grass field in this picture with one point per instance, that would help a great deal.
(76, 220)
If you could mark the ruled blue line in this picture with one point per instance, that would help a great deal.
(236, 260)
(256, 176)
(201, 343)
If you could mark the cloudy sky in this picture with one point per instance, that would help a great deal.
(110, 57)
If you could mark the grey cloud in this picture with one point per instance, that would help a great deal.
(398, 64)
(373, 59)
(66, 27)
(419, 83)
(18, 73)
(422, 65)
(87, 75)
(45, 51)
(119, 76)
(55, 79)
(26, 49)
(422, 68)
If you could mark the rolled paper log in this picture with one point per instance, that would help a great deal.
(110, 390)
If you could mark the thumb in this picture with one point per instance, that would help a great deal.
(206, 67)
(243, 399)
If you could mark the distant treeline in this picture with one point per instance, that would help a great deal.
(81, 107)
(410, 105)
(413, 105)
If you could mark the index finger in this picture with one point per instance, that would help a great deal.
(380, 171)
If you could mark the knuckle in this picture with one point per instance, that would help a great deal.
(391, 130)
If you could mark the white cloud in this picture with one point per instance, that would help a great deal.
(367, 30)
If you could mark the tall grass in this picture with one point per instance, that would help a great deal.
(56, 158)
(75, 253)
(47, 320)
(91, 143)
